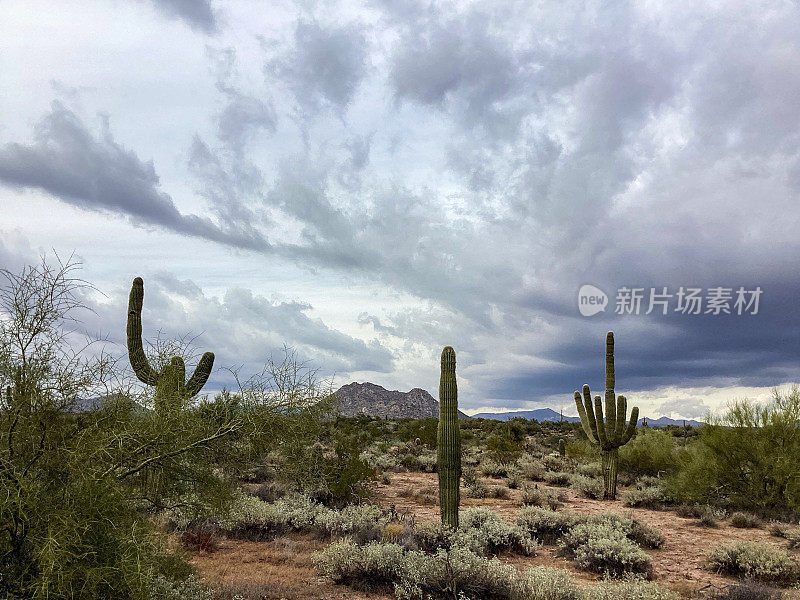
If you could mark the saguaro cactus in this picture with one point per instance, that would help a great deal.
(448, 441)
(609, 433)
(169, 383)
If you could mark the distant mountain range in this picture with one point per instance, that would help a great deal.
(371, 400)
(548, 414)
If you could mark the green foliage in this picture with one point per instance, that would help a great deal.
(604, 548)
(423, 429)
(744, 520)
(630, 588)
(749, 458)
(454, 572)
(762, 562)
(502, 448)
(651, 452)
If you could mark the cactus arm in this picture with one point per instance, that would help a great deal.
(587, 428)
(200, 375)
(601, 426)
(589, 407)
(631, 430)
(136, 354)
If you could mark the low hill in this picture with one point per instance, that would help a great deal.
(355, 399)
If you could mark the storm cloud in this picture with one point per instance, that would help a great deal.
(454, 173)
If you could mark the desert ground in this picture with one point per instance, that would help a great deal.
(282, 568)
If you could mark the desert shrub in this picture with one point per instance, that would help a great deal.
(492, 468)
(427, 462)
(589, 487)
(429, 536)
(546, 525)
(631, 588)
(201, 536)
(594, 469)
(644, 496)
(554, 462)
(532, 469)
(558, 478)
(475, 487)
(454, 572)
(636, 531)
(392, 532)
(426, 495)
(604, 548)
(500, 491)
(744, 520)
(514, 480)
(242, 590)
(710, 517)
(484, 532)
(779, 529)
(362, 522)
(374, 566)
(748, 590)
(752, 560)
(533, 495)
(690, 511)
(793, 537)
(459, 573)
(270, 491)
(190, 588)
(651, 452)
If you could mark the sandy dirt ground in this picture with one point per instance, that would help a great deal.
(283, 569)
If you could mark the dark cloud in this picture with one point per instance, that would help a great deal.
(97, 173)
(198, 14)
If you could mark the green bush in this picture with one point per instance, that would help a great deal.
(533, 495)
(446, 573)
(651, 452)
(546, 525)
(589, 487)
(631, 588)
(762, 562)
(644, 495)
(484, 532)
(744, 520)
(558, 478)
(532, 469)
(191, 588)
(604, 548)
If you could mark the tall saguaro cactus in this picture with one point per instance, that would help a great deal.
(171, 385)
(609, 433)
(448, 441)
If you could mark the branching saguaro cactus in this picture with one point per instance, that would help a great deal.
(171, 390)
(449, 441)
(609, 433)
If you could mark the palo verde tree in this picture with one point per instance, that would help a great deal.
(611, 432)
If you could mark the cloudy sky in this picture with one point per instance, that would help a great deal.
(370, 183)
